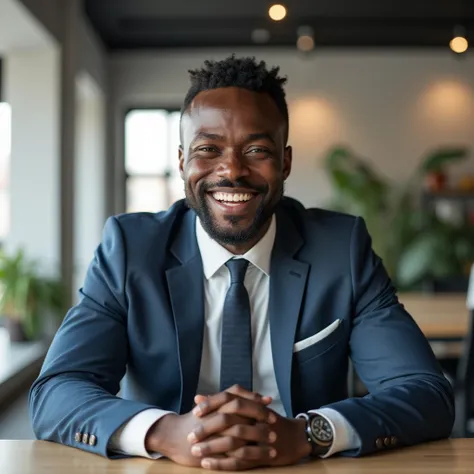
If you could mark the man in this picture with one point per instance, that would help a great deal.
(235, 313)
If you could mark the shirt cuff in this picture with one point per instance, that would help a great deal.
(129, 439)
(345, 437)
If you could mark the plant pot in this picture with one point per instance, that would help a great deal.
(436, 181)
(15, 330)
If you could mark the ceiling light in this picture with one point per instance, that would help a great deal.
(305, 41)
(459, 43)
(277, 12)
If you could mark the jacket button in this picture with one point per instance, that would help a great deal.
(393, 441)
(387, 442)
(85, 438)
(78, 437)
(92, 440)
(379, 443)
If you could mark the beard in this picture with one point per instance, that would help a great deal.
(235, 234)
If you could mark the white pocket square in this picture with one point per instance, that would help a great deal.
(319, 336)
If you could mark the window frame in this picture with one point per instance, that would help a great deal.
(126, 176)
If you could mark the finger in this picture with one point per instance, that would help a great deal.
(267, 400)
(258, 433)
(212, 403)
(244, 393)
(199, 399)
(203, 408)
(249, 409)
(218, 445)
(262, 454)
(214, 424)
(250, 395)
(228, 464)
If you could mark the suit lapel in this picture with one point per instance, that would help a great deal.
(186, 288)
(287, 284)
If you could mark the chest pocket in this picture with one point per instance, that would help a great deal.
(321, 346)
(320, 372)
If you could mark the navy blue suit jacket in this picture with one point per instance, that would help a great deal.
(141, 313)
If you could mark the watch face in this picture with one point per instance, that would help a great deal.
(321, 429)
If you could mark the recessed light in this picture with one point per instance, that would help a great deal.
(277, 12)
(305, 43)
(305, 40)
(459, 44)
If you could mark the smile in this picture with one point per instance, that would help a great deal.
(232, 197)
(235, 202)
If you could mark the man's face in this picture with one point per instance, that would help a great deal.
(234, 162)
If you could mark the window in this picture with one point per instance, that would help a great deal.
(5, 149)
(151, 159)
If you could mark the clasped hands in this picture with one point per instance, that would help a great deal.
(231, 430)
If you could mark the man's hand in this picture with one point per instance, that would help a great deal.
(286, 442)
(207, 440)
(228, 430)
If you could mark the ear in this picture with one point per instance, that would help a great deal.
(181, 161)
(287, 161)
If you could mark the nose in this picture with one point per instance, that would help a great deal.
(232, 166)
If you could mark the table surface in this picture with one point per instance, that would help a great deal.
(40, 457)
(438, 315)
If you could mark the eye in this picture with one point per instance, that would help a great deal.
(258, 151)
(207, 149)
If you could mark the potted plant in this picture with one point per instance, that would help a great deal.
(26, 297)
(415, 245)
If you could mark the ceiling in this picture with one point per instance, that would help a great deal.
(145, 24)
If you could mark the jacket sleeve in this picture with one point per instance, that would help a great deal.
(74, 400)
(409, 399)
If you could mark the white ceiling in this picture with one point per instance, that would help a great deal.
(19, 30)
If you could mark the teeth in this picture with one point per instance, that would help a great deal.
(232, 197)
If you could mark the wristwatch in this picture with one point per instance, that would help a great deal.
(318, 432)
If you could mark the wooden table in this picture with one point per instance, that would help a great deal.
(40, 457)
(440, 316)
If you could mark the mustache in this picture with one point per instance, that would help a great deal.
(238, 183)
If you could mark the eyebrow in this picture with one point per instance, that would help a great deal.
(260, 136)
(251, 137)
(210, 136)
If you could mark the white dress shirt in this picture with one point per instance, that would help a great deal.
(130, 438)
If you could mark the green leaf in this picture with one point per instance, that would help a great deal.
(436, 161)
(26, 295)
(417, 259)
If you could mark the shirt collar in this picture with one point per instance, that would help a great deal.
(214, 256)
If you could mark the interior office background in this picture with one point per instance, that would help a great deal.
(88, 130)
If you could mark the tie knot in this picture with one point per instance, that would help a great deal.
(237, 268)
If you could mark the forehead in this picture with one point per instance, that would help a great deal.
(232, 108)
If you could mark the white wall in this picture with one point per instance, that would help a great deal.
(93, 57)
(49, 13)
(89, 174)
(389, 106)
(35, 154)
(81, 53)
(19, 30)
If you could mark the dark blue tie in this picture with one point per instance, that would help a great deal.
(236, 352)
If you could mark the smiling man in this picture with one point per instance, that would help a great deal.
(233, 314)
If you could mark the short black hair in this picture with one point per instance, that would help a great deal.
(246, 73)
